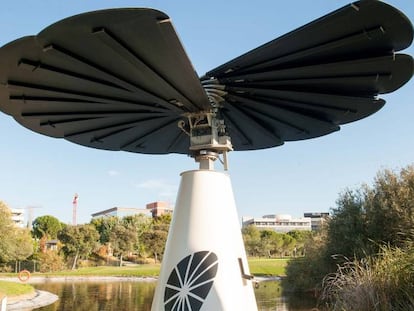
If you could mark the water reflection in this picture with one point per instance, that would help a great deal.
(269, 298)
(132, 295)
(102, 296)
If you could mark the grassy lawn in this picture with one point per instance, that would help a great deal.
(267, 267)
(258, 267)
(147, 270)
(14, 289)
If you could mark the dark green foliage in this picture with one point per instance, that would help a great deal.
(252, 240)
(370, 217)
(352, 245)
(140, 224)
(123, 239)
(78, 241)
(6, 232)
(15, 243)
(300, 237)
(155, 237)
(390, 207)
(23, 244)
(268, 243)
(48, 226)
(346, 230)
(51, 261)
(104, 226)
(305, 274)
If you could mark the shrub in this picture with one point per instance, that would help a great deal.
(306, 274)
(51, 261)
(380, 283)
(5, 268)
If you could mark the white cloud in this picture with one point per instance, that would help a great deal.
(113, 173)
(162, 187)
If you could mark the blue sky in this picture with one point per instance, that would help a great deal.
(298, 177)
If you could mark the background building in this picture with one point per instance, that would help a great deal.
(121, 212)
(159, 208)
(317, 219)
(154, 209)
(18, 217)
(279, 223)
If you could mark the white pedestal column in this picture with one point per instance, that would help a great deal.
(201, 266)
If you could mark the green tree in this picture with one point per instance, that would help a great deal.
(79, 241)
(288, 244)
(266, 245)
(252, 240)
(142, 223)
(15, 243)
(277, 242)
(155, 238)
(369, 217)
(301, 237)
(104, 226)
(7, 228)
(305, 274)
(363, 221)
(51, 261)
(24, 244)
(123, 238)
(47, 225)
(346, 230)
(389, 207)
(271, 243)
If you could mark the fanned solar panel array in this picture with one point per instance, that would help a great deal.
(113, 79)
(120, 79)
(310, 81)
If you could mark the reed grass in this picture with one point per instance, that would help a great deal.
(376, 283)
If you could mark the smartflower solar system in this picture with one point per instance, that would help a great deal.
(119, 79)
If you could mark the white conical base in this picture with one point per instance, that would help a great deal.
(201, 266)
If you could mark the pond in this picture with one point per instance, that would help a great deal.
(137, 295)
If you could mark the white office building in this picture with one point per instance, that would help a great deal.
(18, 217)
(154, 209)
(280, 223)
(317, 219)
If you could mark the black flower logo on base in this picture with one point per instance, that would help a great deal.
(190, 282)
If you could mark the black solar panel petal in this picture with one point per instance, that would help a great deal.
(120, 79)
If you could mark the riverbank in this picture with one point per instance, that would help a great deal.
(50, 279)
(257, 266)
(42, 298)
(37, 299)
(264, 269)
